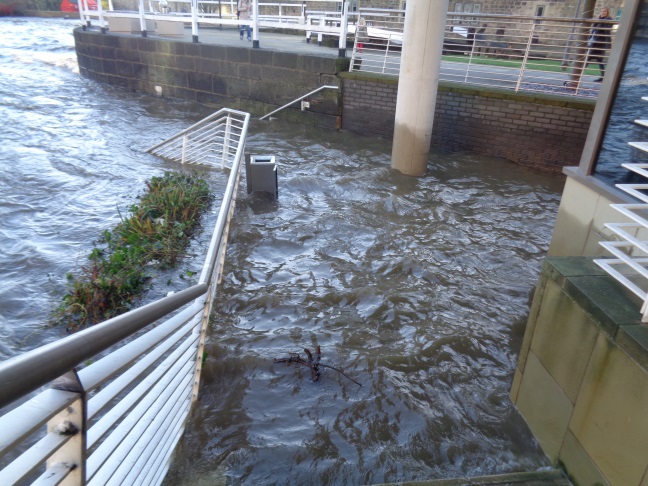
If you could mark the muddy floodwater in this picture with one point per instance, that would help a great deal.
(417, 288)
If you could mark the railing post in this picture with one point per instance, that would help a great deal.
(526, 58)
(185, 143)
(71, 421)
(200, 352)
(83, 6)
(226, 140)
(102, 22)
(140, 4)
(344, 28)
(386, 54)
(194, 21)
(255, 24)
(472, 52)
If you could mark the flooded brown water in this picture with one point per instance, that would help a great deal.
(418, 288)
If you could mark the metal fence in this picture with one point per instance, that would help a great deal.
(629, 264)
(116, 420)
(319, 18)
(532, 54)
(213, 141)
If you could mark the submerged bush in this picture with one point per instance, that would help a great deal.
(155, 235)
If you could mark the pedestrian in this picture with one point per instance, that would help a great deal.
(599, 42)
(243, 13)
(361, 34)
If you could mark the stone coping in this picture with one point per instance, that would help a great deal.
(613, 307)
(489, 92)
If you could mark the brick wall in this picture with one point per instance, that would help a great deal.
(544, 132)
(369, 105)
(253, 80)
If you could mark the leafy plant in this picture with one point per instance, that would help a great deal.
(155, 235)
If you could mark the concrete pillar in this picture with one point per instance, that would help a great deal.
(417, 84)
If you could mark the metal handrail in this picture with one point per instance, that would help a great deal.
(298, 99)
(29, 371)
(126, 430)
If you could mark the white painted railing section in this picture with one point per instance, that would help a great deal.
(117, 420)
(629, 264)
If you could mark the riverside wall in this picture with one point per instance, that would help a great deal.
(253, 80)
(540, 131)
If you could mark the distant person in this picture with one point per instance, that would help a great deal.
(477, 39)
(243, 13)
(599, 42)
(361, 34)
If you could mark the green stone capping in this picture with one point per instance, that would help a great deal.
(485, 92)
(611, 306)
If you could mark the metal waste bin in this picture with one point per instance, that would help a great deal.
(261, 174)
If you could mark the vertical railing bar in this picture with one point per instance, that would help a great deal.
(185, 142)
(525, 58)
(226, 138)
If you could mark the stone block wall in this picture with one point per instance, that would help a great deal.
(253, 80)
(581, 382)
(544, 132)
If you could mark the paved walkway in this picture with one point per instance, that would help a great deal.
(229, 36)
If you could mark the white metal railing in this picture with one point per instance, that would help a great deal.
(532, 54)
(630, 263)
(311, 93)
(213, 141)
(118, 419)
(296, 15)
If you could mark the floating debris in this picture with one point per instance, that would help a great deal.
(313, 363)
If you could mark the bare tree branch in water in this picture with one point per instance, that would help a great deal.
(313, 362)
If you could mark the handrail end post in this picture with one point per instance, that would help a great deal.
(71, 421)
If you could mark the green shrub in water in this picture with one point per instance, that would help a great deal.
(155, 234)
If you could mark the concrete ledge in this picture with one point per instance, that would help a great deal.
(169, 28)
(123, 25)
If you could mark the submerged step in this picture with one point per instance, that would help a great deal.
(549, 477)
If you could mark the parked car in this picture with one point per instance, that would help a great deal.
(73, 5)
